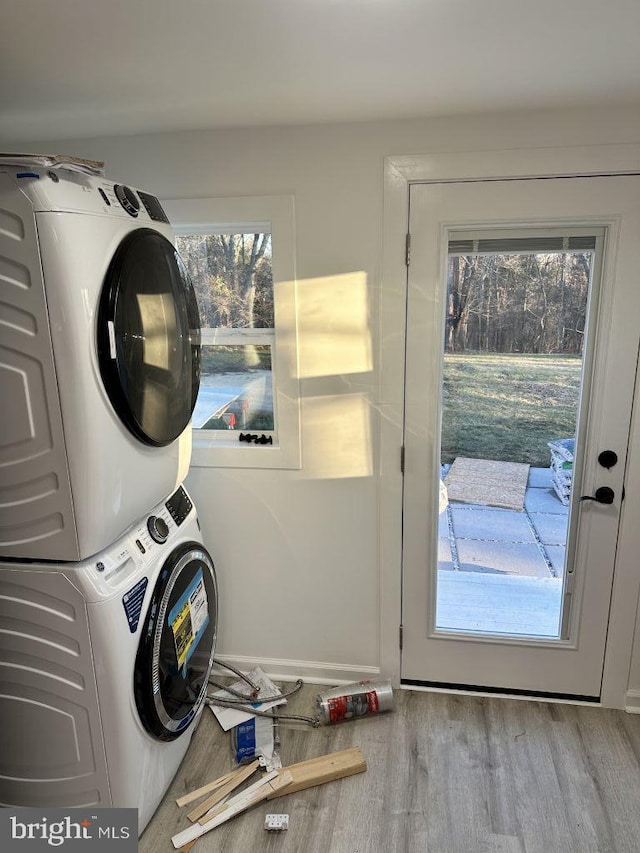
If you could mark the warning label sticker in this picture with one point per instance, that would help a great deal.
(189, 618)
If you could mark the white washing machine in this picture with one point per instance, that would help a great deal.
(99, 361)
(104, 667)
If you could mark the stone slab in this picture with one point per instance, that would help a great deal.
(491, 524)
(509, 558)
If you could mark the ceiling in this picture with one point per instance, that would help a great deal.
(83, 68)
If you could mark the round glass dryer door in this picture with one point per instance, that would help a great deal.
(149, 338)
(177, 643)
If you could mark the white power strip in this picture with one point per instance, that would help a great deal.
(276, 822)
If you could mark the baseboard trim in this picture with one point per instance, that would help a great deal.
(632, 703)
(315, 672)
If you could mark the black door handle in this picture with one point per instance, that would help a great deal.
(603, 495)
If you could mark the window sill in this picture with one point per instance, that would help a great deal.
(218, 453)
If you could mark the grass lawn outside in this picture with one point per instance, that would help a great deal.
(507, 407)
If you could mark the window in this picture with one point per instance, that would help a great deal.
(233, 279)
(240, 256)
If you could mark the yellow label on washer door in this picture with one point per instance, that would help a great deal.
(183, 633)
(189, 618)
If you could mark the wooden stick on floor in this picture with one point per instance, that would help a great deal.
(254, 794)
(323, 768)
(236, 779)
(205, 789)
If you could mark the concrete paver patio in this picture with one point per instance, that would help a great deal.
(500, 571)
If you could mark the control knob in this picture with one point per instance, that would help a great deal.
(127, 199)
(158, 528)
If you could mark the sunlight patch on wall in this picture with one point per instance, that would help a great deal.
(335, 335)
(337, 437)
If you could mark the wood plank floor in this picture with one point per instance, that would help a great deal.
(446, 774)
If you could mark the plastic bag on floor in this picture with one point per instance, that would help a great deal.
(444, 498)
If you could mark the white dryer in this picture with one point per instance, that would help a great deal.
(99, 361)
(104, 667)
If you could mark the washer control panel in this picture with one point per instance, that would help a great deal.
(179, 506)
(152, 533)
(144, 542)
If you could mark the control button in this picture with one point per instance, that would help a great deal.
(104, 196)
(100, 567)
(143, 550)
(158, 528)
(127, 199)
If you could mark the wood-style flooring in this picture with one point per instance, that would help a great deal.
(446, 774)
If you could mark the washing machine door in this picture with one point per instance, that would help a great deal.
(148, 338)
(177, 643)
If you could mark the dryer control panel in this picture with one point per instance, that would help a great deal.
(179, 506)
(65, 191)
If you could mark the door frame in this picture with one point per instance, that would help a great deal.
(399, 173)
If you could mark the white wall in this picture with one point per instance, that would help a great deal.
(296, 551)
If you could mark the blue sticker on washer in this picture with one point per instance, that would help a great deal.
(188, 619)
(132, 601)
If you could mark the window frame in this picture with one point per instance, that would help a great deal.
(254, 214)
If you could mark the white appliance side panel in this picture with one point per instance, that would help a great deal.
(115, 478)
(36, 510)
(51, 748)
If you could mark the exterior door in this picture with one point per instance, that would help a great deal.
(570, 662)
(149, 338)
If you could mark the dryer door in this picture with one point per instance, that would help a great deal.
(177, 643)
(149, 338)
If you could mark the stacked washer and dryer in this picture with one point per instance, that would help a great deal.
(108, 597)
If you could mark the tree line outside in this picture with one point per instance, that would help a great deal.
(232, 277)
(514, 334)
(517, 303)
(233, 281)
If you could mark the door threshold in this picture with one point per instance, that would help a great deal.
(497, 692)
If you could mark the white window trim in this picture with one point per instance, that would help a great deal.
(274, 214)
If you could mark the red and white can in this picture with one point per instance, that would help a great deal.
(351, 701)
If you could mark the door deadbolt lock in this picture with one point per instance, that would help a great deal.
(603, 495)
(608, 458)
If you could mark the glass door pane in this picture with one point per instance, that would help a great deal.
(514, 335)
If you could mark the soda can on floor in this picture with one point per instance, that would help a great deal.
(350, 701)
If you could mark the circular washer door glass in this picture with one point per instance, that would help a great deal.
(177, 643)
(149, 338)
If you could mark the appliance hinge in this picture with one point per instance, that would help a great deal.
(400, 636)
(402, 459)
(407, 257)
